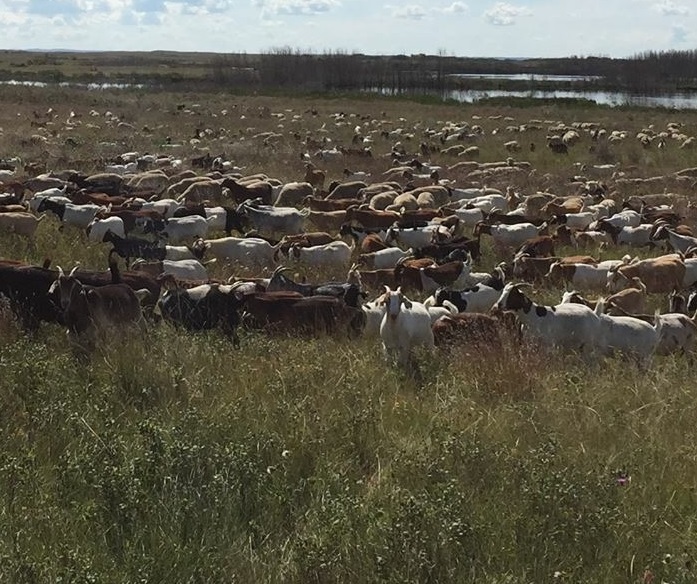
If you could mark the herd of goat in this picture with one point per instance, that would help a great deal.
(410, 234)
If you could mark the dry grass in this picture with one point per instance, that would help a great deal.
(176, 458)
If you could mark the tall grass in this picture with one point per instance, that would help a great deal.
(172, 457)
(177, 458)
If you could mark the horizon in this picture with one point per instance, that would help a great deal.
(530, 29)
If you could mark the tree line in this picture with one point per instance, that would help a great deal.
(289, 68)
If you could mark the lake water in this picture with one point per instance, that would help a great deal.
(675, 101)
(525, 77)
(611, 98)
(90, 86)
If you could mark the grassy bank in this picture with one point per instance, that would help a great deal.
(175, 458)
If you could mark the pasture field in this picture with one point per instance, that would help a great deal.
(172, 457)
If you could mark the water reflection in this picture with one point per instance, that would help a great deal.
(91, 86)
(525, 77)
(611, 98)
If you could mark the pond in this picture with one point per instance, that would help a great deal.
(90, 86)
(610, 98)
(525, 77)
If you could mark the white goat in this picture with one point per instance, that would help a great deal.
(628, 335)
(180, 269)
(180, 229)
(385, 258)
(97, 228)
(335, 253)
(246, 250)
(567, 326)
(405, 325)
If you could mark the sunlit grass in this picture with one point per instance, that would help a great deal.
(174, 457)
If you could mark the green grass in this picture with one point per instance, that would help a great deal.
(172, 457)
(300, 460)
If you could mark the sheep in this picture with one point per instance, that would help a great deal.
(347, 190)
(405, 325)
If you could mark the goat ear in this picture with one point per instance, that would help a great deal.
(387, 289)
(407, 303)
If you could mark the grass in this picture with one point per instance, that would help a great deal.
(309, 461)
(175, 458)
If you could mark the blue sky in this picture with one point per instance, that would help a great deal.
(474, 28)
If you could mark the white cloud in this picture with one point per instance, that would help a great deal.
(418, 12)
(295, 7)
(455, 7)
(504, 14)
(670, 8)
(410, 12)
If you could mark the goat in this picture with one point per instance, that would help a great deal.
(98, 228)
(566, 326)
(246, 250)
(89, 311)
(336, 253)
(662, 274)
(190, 269)
(628, 335)
(268, 219)
(24, 224)
(203, 307)
(405, 325)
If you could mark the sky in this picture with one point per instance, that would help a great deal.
(463, 28)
